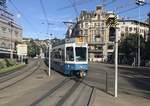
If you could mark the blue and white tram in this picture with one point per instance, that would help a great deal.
(70, 59)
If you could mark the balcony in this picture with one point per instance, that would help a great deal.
(96, 41)
(95, 49)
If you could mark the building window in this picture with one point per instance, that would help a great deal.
(122, 35)
(110, 46)
(97, 56)
(126, 29)
(130, 29)
(16, 33)
(98, 17)
(3, 45)
(86, 32)
(94, 24)
(86, 25)
(135, 29)
(3, 29)
(98, 24)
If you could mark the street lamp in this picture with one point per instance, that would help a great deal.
(139, 3)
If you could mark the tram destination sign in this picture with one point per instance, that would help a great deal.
(79, 40)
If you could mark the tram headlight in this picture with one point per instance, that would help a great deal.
(68, 66)
(81, 67)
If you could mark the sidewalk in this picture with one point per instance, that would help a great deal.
(100, 98)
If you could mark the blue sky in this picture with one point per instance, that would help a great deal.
(32, 17)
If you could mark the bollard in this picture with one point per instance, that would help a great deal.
(106, 81)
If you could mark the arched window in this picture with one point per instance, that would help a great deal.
(3, 45)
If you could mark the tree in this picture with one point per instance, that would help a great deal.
(33, 49)
(146, 51)
(129, 47)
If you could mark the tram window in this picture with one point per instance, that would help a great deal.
(63, 55)
(80, 54)
(57, 55)
(69, 54)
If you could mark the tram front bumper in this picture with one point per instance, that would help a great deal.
(75, 68)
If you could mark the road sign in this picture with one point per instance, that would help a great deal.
(22, 49)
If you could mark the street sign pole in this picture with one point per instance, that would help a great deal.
(111, 20)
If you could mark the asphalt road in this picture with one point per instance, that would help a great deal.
(34, 88)
(133, 81)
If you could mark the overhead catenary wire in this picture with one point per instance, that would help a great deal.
(124, 6)
(23, 16)
(130, 9)
(45, 15)
(127, 10)
(79, 2)
(108, 3)
(74, 6)
(44, 11)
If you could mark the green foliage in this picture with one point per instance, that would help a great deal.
(44, 48)
(10, 62)
(2, 64)
(33, 49)
(7, 63)
(146, 51)
(12, 68)
(129, 45)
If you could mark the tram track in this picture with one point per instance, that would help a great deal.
(69, 93)
(91, 94)
(21, 79)
(50, 92)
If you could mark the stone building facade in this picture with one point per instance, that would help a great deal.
(126, 27)
(92, 25)
(101, 37)
(10, 35)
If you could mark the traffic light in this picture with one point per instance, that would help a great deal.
(111, 23)
(111, 20)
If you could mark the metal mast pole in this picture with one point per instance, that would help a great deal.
(116, 65)
(139, 51)
(139, 3)
(49, 72)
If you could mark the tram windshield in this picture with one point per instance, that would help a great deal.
(80, 53)
(69, 54)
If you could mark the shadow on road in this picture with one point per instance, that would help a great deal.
(139, 78)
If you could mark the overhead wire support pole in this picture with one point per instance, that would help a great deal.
(116, 65)
(49, 71)
(139, 3)
(139, 44)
